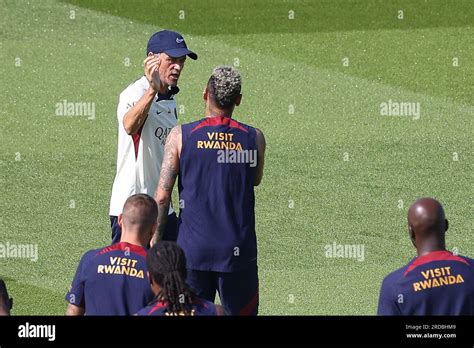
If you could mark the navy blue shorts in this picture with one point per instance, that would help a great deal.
(170, 233)
(238, 291)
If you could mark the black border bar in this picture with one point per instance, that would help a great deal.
(291, 330)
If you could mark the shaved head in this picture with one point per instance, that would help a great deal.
(139, 212)
(427, 225)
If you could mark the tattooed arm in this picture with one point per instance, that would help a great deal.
(168, 174)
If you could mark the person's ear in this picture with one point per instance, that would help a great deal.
(120, 220)
(238, 100)
(205, 94)
(411, 233)
(446, 226)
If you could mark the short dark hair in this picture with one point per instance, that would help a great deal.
(224, 86)
(140, 210)
(166, 264)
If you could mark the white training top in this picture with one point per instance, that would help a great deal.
(139, 172)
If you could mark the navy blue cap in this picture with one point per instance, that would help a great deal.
(171, 43)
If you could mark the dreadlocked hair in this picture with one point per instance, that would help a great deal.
(166, 264)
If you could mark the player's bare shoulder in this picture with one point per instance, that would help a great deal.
(174, 139)
(261, 142)
(175, 133)
(261, 145)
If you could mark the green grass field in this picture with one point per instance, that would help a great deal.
(336, 169)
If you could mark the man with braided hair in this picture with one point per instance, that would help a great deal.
(166, 264)
(219, 161)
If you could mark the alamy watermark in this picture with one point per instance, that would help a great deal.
(237, 156)
(65, 108)
(28, 330)
(346, 251)
(394, 108)
(22, 251)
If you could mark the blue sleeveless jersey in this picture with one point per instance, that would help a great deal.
(216, 191)
(112, 281)
(438, 283)
(199, 307)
